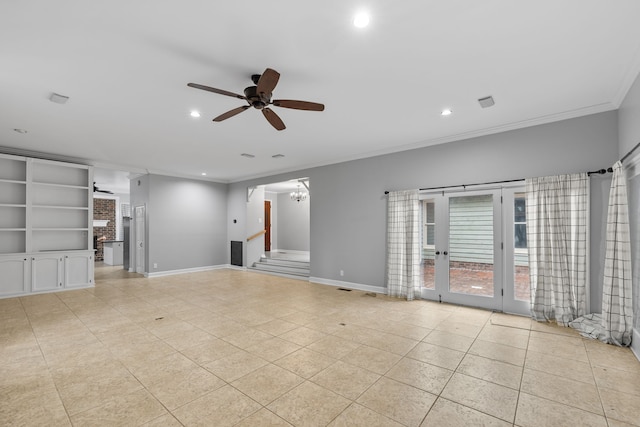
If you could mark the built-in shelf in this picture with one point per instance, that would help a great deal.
(48, 184)
(45, 204)
(80, 208)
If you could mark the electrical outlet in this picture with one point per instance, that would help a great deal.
(155, 265)
(341, 272)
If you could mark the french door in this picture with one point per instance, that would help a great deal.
(469, 250)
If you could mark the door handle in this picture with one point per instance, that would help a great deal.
(445, 253)
(437, 252)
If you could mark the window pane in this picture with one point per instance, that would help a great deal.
(430, 212)
(431, 232)
(520, 236)
(520, 213)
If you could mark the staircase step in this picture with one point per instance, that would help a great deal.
(285, 262)
(281, 268)
(299, 271)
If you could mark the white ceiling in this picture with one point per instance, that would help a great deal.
(125, 66)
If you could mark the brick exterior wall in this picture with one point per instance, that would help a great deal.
(104, 209)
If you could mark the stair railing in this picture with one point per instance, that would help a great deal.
(258, 234)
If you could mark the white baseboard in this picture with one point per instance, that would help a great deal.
(635, 343)
(187, 270)
(348, 285)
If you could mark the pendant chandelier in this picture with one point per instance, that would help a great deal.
(298, 195)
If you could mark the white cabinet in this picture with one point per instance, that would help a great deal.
(113, 252)
(14, 275)
(78, 270)
(46, 272)
(46, 212)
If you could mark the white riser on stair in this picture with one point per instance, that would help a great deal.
(281, 268)
(285, 262)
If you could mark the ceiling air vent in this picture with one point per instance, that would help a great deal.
(486, 102)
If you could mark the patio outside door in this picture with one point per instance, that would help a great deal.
(463, 256)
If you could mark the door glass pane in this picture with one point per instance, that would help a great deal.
(520, 252)
(427, 264)
(471, 245)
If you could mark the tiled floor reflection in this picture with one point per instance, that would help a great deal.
(233, 348)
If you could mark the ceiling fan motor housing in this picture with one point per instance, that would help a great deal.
(257, 100)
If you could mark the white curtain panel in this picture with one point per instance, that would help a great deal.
(557, 227)
(403, 244)
(617, 312)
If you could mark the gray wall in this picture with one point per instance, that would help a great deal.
(186, 222)
(629, 133)
(348, 206)
(293, 224)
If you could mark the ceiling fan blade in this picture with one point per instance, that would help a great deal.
(214, 90)
(273, 118)
(268, 81)
(230, 113)
(298, 105)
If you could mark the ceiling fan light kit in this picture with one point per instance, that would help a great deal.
(259, 97)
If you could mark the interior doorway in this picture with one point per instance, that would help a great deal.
(282, 242)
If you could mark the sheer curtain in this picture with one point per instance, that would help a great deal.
(617, 315)
(403, 244)
(557, 227)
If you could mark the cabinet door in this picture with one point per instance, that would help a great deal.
(46, 272)
(78, 270)
(13, 271)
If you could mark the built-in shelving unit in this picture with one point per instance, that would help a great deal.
(46, 211)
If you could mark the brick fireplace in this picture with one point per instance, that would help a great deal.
(104, 209)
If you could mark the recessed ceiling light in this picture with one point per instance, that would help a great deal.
(195, 113)
(277, 156)
(203, 174)
(20, 130)
(446, 112)
(247, 155)
(361, 20)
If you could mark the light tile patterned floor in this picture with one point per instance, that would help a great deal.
(234, 348)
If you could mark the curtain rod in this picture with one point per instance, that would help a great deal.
(600, 171)
(466, 185)
(630, 152)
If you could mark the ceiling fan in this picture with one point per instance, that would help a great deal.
(259, 97)
(97, 190)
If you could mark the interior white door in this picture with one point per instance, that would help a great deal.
(140, 251)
